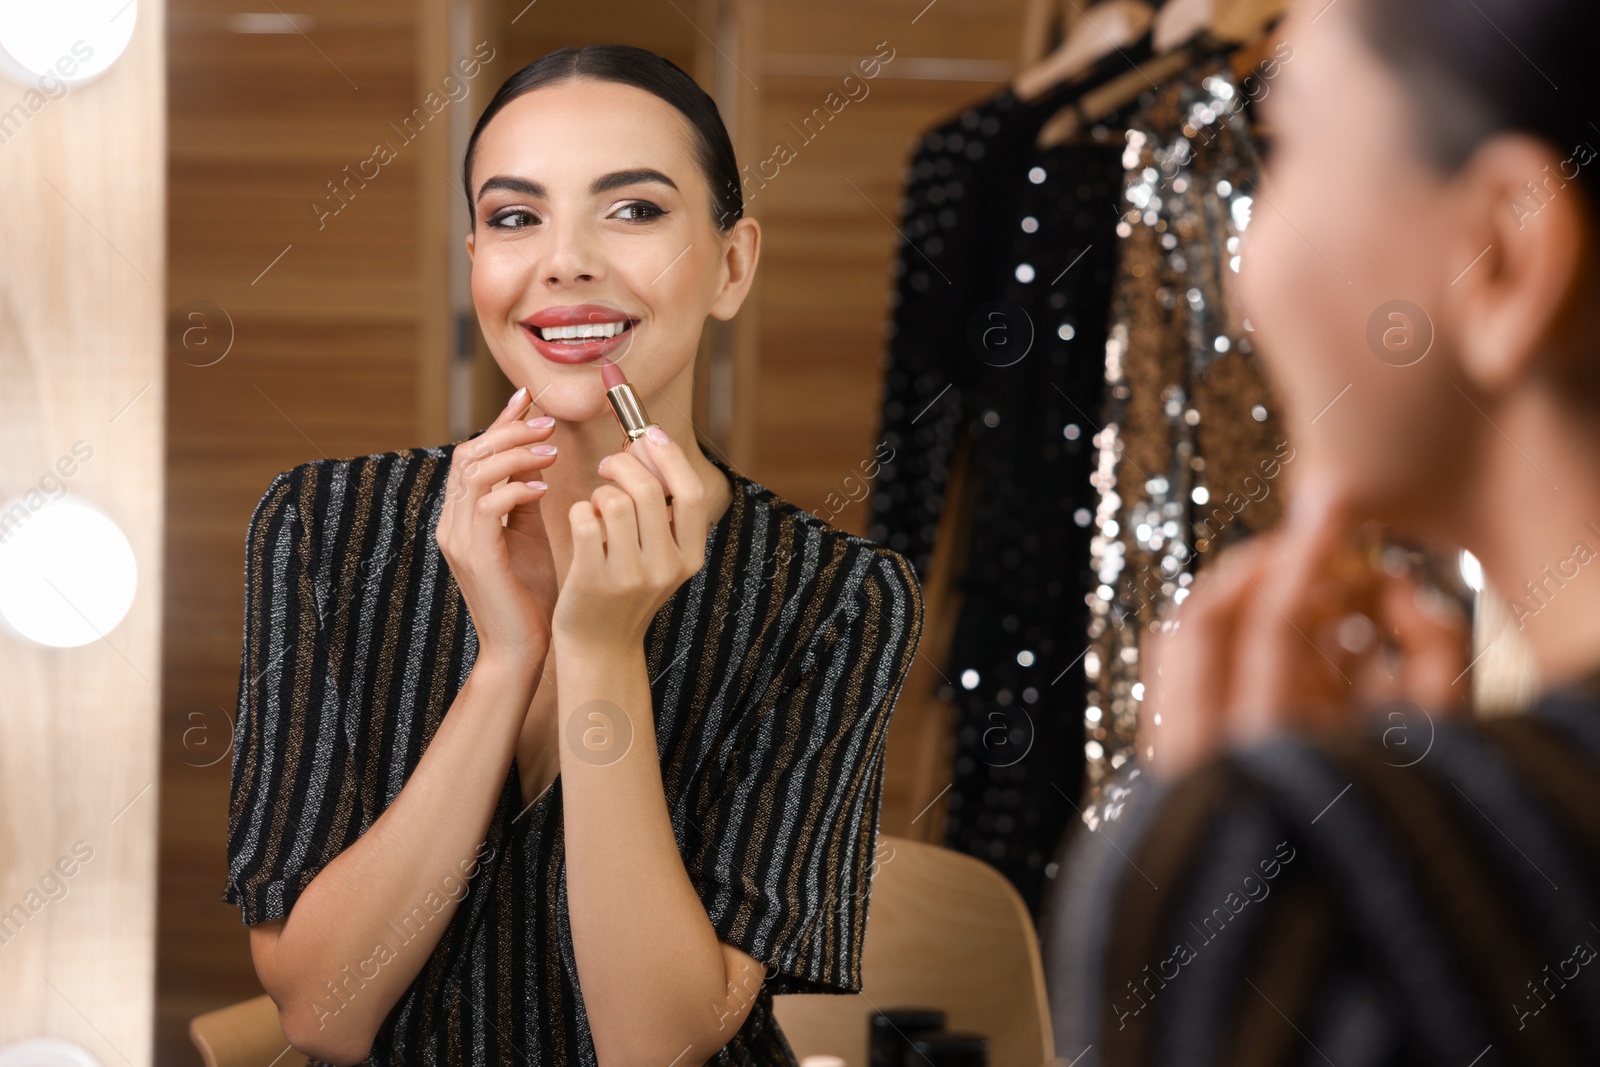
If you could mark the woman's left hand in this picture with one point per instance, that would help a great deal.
(630, 549)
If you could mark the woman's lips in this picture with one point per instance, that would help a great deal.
(577, 351)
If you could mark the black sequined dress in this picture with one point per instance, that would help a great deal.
(996, 349)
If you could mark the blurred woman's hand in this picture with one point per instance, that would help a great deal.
(1296, 629)
(493, 536)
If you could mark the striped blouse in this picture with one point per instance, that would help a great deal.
(773, 672)
(1425, 894)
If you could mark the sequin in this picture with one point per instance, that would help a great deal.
(1018, 220)
(1178, 371)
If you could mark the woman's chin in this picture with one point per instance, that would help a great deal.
(566, 400)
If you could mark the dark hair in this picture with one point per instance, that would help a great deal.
(1476, 68)
(645, 70)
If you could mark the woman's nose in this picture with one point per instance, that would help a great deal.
(571, 254)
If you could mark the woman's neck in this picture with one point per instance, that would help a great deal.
(1534, 524)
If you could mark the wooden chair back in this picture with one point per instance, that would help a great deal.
(945, 931)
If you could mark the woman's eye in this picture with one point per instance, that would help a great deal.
(502, 220)
(644, 211)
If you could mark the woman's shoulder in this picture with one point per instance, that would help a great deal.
(1409, 778)
(399, 460)
(324, 508)
(780, 530)
(1408, 844)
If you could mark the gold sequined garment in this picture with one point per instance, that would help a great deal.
(1190, 453)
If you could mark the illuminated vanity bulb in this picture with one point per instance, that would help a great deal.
(67, 573)
(47, 1052)
(47, 46)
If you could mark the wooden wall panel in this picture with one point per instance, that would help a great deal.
(340, 331)
(81, 364)
(810, 377)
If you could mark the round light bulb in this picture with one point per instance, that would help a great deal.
(67, 574)
(47, 1052)
(46, 45)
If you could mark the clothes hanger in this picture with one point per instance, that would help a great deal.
(1179, 22)
(1105, 28)
(1103, 100)
(1180, 37)
(1224, 21)
(1045, 24)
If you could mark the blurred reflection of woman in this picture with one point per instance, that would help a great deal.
(444, 856)
(1294, 881)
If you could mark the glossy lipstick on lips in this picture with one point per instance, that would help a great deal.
(582, 333)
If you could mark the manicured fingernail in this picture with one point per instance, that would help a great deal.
(657, 435)
(602, 463)
(543, 450)
(543, 422)
(517, 396)
(537, 485)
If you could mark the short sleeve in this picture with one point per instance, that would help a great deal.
(285, 822)
(787, 848)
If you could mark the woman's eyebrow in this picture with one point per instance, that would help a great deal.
(604, 183)
(617, 179)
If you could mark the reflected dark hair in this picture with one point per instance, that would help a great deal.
(1476, 68)
(645, 70)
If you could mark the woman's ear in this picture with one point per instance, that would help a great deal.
(741, 248)
(469, 246)
(1522, 209)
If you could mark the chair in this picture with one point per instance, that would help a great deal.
(245, 1034)
(944, 931)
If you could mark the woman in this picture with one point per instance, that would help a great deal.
(622, 866)
(1321, 860)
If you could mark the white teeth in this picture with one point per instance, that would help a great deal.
(586, 331)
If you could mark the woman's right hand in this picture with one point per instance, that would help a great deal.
(494, 538)
(1256, 646)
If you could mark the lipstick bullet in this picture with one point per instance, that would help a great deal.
(624, 403)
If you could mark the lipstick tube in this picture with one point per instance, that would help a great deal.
(626, 407)
(630, 413)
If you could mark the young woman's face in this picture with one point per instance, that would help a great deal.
(587, 192)
(1346, 273)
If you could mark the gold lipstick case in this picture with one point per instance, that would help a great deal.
(630, 413)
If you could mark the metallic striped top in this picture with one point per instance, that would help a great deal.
(1422, 892)
(773, 674)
